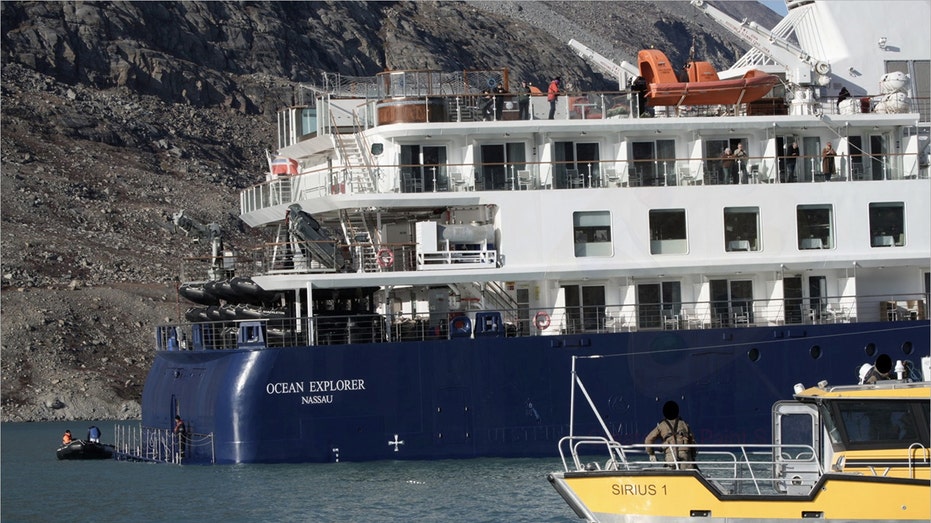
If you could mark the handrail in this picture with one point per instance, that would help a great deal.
(729, 468)
(140, 443)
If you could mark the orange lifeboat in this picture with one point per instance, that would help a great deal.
(703, 86)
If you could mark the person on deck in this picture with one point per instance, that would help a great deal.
(727, 165)
(180, 430)
(93, 434)
(881, 370)
(672, 431)
(740, 155)
(523, 101)
(791, 159)
(552, 95)
(66, 438)
(827, 161)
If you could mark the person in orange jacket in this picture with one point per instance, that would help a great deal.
(66, 438)
(552, 94)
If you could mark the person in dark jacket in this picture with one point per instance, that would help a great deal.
(180, 430)
(93, 434)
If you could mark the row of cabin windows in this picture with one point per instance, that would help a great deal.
(815, 229)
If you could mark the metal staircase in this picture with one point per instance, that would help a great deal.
(359, 236)
(493, 297)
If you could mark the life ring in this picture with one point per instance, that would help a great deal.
(541, 320)
(491, 82)
(385, 257)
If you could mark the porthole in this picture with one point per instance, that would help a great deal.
(815, 351)
(754, 355)
(870, 349)
(907, 347)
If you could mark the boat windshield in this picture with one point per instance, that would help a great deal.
(874, 424)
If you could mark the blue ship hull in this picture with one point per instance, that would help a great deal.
(506, 397)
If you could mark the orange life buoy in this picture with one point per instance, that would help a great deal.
(385, 257)
(541, 320)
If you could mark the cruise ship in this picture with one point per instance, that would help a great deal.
(434, 256)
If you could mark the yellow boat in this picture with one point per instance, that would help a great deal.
(839, 453)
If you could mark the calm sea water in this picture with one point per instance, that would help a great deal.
(35, 486)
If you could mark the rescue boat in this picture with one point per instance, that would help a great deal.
(703, 87)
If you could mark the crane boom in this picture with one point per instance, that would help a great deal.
(623, 71)
(799, 65)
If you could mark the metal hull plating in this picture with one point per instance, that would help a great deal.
(506, 397)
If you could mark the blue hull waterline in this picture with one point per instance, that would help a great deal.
(506, 397)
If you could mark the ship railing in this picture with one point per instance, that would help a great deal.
(141, 443)
(489, 317)
(851, 165)
(742, 469)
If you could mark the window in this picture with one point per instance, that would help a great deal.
(654, 163)
(656, 302)
(815, 227)
(887, 224)
(741, 229)
(585, 308)
(667, 232)
(878, 424)
(731, 302)
(500, 163)
(592, 233)
(575, 164)
(423, 168)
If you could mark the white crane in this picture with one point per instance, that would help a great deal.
(624, 71)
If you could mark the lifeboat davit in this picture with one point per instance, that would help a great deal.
(703, 87)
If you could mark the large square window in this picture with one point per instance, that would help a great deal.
(592, 233)
(815, 226)
(667, 231)
(741, 229)
(887, 224)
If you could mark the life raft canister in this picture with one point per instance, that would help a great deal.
(385, 257)
(541, 320)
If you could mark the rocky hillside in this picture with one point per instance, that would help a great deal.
(116, 115)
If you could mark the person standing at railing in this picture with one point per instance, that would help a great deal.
(791, 159)
(740, 155)
(672, 431)
(827, 161)
(727, 166)
(552, 95)
(180, 431)
(523, 101)
(500, 91)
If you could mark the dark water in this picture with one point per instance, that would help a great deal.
(38, 487)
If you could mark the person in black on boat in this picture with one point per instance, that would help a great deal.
(181, 431)
(882, 370)
(93, 434)
(672, 431)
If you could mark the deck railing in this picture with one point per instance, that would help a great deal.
(580, 174)
(139, 443)
(475, 321)
(729, 469)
